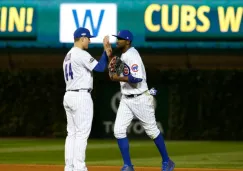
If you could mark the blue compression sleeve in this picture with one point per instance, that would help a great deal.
(101, 66)
(132, 79)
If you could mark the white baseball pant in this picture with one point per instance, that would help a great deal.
(141, 107)
(79, 112)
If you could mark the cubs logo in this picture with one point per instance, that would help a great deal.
(126, 70)
(134, 68)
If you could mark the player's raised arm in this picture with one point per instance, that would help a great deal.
(92, 64)
(107, 47)
(82, 39)
(102, 64)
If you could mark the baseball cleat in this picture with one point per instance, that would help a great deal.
(127, 168)
(168, 166)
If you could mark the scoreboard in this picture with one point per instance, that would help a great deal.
(154, 23)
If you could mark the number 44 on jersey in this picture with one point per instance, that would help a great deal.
(68, 71)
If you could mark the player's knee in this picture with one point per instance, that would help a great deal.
(82, 135)
(152, 132)
(71, 132)
(119, 133)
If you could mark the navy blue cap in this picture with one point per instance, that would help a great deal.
(124, 34)
(82, 32)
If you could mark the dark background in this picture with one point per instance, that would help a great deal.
(200, 93)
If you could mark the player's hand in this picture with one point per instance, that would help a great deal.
(106, 42)
(114, 76)
(107, 46)
(108, 52)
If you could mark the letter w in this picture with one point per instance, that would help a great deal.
(87, 15)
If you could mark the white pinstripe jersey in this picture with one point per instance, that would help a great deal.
(77, 67)
(134, 65)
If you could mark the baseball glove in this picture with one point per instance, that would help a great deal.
(116, 65)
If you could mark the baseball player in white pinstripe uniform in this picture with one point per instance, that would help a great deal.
(77, 67)
(136, 101)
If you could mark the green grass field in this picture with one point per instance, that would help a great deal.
(186, 154)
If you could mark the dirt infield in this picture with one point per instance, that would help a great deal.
(14, 167)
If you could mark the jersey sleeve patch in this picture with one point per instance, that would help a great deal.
(91, 60)
(126, 70)
(134, 67)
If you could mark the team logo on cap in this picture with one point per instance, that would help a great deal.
(126, 70)
(134, 68)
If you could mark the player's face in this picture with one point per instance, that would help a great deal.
(85, 42)
(121, 43)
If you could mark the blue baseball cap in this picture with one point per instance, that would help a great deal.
(82, 32)
(124, 34)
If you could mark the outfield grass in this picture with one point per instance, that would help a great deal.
(144, 153)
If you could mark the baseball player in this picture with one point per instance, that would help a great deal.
(77, 67)
(136, 102)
